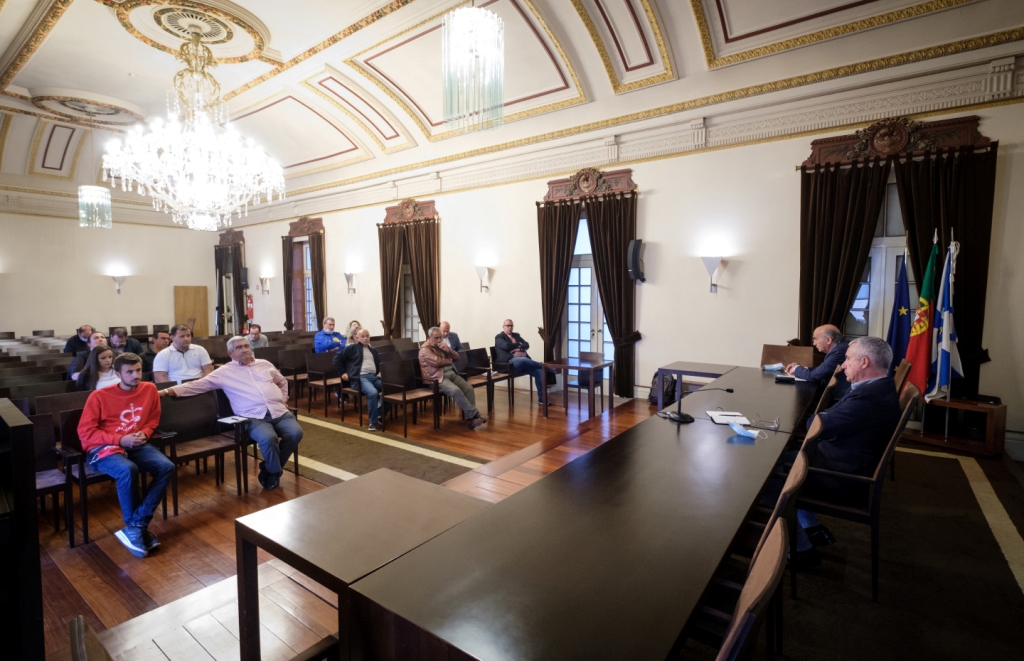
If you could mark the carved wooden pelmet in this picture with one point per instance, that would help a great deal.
(589, 182)
(410, 210)
(230, 237)
(305, 226)
(898, 136)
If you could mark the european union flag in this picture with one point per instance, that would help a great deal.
(899, 322)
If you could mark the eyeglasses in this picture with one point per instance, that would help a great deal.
(763, 423)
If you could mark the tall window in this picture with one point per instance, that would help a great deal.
(410, 317)
(586, 328)
(303, 312)
(307, 279)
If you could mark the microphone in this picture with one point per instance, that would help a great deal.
(683, 418)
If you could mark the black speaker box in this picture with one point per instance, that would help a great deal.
(633, 261)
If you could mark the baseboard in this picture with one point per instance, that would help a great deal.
(1014, 445)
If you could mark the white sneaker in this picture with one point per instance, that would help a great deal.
(372, 428)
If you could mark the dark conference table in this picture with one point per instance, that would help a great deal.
(603, 559)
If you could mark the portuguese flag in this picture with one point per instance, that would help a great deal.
(919, 350)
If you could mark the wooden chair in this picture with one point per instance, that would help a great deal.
(7, 372)
(868, 510)
(7, 335)
(269, 353)
(828, 395)
(42, 333)
(465, 346)
(506, 369)
(410, 354)
(140, 330)
(356, 393)
(402, 386)
(50, 479)
(900, 377)
(52, 405)
(292, 365)
(191, 323)
(322, 376)
(189, 430)
(161, 327)
(22, 404)
(389, 356)
(85, 644)
(774, 353)
(480, 361)
(31, 391)
(404, 344)
(377, 344)
(598, 376)
(12, 381)
(476, 376)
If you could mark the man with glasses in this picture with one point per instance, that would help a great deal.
(511, 348)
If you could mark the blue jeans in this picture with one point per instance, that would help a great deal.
(371, 386)
(124, 468)
(522, 366)
(266, 432)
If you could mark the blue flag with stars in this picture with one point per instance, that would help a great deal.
(899, 322)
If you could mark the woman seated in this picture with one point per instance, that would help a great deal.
(98, 372)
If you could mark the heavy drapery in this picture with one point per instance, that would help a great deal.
(557, 224)
(952, 191)
(424, 240)
(318, 268)
(223, 256)
(286, 280)
(839, 209)
(391, 237)
(611, 220)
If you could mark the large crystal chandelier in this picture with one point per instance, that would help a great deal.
(473, 62)
(195, 165)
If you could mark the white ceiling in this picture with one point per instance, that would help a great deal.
(339, 91)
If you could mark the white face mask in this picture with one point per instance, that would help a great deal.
(743, 431)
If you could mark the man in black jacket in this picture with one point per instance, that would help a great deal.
(511, 348)
(359, 364)
(79, 341)
(828, 340)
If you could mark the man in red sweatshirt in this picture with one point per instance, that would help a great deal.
(115, 429)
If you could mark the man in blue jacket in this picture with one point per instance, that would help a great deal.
(327, 340)
(829, 341)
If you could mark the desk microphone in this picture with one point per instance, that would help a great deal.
(680, 417)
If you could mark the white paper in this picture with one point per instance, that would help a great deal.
(774, 367)
(231, 420)
(725, 417)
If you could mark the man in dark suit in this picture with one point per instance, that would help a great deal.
(79, 341)
(359, 364)
(511, 348)
(450, 338)
(854, 435)
(828, 340)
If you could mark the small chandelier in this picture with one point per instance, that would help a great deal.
(195, 165)
(473, 65)
(94, 207)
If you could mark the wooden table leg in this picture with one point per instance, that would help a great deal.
(565, 390)
(248, 598)
(611, 387)
(543, 389)
(590, 394)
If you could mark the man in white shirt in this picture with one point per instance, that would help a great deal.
(182, 361)
(256, 391)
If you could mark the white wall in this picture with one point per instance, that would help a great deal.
(55, 275)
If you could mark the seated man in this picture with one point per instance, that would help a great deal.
(450, 338)
(511, 348)
(182, 361)
(257, 340)
(97, 339)
(855, 432)
(159, 341)
(829, 341)
(256, 391)
(79, 341)
(327, 339)
(359, 364)
(120, 342)
(437, 364)
(116, 424)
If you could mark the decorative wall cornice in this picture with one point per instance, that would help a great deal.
(231, 237)
(305, 226)
(410, 210)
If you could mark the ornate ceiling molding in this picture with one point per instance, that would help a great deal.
(5, 127)
(77, 138)
(617, 86)
(85, 107)
(714, 62)
(34, 41)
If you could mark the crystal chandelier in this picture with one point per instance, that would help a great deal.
(94, 207)
(195, 165)
(473, 65)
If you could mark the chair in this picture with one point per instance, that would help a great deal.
(404, 344)
(828, 395)
(7, 335)
(8, 372)
(292, 365)
(52, 405)
(140, 330)
(476, 375)
(465, 346)
(401, 385)
(50, 479)
(900, 377)
(868, 510)
(161, 327)
(594, 356)
(42, 333)
(322, 376)
(189, 429)
(268, 353)
(410, 354)
(389, 356)
(774, 353)
(12, 381)
(377, 344)
(85, 644)
(191, 323)
(22, 404)
(31, 391)
(478, 359)
(506, 368)
(77, 470)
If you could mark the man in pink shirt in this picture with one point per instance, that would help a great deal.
(259, 392)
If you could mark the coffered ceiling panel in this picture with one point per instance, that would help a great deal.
(629, 40)
(300, 137)
(538, 76)
(55, 150)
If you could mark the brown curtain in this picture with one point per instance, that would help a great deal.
(220, 260)
(611, 221)
(286, 279)
(391, 237)
(232, 254)
(952, 191)
(557, 224)
(318, 267)
(424, 241)
(237, 263)
(839, 209)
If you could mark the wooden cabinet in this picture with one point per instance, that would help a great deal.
(976, 427)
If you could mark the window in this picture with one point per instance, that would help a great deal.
(586, 328)
(410, 317)
(307, 279)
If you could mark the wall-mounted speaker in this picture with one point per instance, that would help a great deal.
(634, 262)
(245, 277)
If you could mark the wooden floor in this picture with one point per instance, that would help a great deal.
(180, 602)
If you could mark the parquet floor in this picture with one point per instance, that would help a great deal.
(180, 602)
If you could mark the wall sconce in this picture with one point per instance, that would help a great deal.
(118, 281)
(265, 285)
(712, 264)
(350, 278)
(485, 278)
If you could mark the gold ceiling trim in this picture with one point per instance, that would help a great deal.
(364, 156)
(53, 118)
(40, 191)
(617, 86)
(401, 130)
(5, 126)
(86, 134)
(34, 41)
(364, 22)
(37, 101)
(713, 62)
(580, 97)
(953, 48)
(124, 8)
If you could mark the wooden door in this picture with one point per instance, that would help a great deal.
(190, 302)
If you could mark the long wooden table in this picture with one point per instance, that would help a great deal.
(603, 559)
